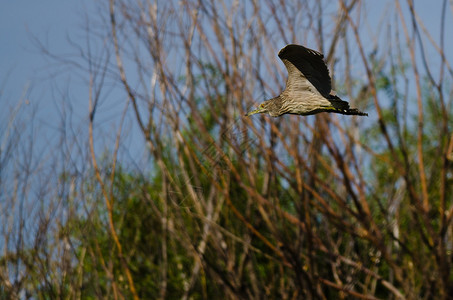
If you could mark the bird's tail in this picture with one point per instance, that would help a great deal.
(353, 111)
(342, 107)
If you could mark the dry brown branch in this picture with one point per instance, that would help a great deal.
(109, 198)
(220, 205)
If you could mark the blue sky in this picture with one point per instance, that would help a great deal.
(48, 20)
(52, 21)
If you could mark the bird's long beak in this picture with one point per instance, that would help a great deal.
(256, 111)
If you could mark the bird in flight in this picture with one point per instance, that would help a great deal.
(308, 87)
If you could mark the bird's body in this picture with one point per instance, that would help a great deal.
(308, 88)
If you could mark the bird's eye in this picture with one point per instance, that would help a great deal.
(261, 105)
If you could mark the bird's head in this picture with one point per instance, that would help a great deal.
(270, 106)
(261, 109)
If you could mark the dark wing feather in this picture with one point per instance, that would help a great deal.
(310, 63)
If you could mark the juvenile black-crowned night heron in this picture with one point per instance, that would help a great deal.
(308, 88)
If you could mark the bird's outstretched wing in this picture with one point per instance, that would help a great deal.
(311, 66)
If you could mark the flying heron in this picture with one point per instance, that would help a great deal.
(308, 88)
